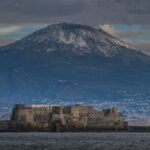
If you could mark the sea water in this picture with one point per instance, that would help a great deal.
(74, 141)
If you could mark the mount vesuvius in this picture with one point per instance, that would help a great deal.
(71, 62)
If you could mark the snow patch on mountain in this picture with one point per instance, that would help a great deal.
(49, 50)
(82, 39)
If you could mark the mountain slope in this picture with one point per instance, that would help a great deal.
(69, 62)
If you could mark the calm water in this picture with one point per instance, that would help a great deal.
(74, 141)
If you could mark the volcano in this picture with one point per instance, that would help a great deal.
(75, 63)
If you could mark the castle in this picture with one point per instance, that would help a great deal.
(66, 118)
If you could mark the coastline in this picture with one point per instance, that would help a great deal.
(135, 129)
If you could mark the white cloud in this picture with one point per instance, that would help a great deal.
(108, 28)
(8, 30)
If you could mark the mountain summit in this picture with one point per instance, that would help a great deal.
(69, 62)
(78, 38)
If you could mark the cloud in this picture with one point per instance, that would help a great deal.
(143, 45)
(30, 11)
(108, 28)
(6, 42)
(90, 12)
(126, 33)
(9, 29)
(124, 11)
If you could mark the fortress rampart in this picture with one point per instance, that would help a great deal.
(65, 118)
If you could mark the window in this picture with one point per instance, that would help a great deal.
(67, 110)
(56, 110)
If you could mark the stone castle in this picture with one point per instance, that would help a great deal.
(65, 118)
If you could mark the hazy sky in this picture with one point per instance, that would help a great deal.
(129, 20)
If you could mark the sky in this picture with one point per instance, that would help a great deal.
(128, 20)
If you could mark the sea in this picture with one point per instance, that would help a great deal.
(74, 141)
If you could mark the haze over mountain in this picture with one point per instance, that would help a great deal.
(75, 63)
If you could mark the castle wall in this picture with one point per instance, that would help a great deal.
(4, 125)
(36, 115)
(76, 116)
